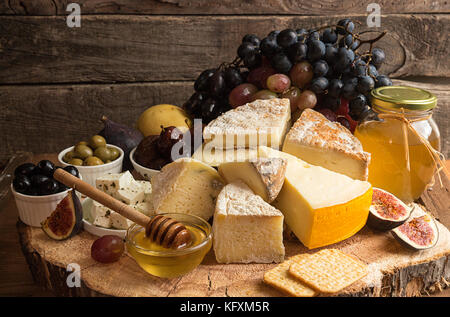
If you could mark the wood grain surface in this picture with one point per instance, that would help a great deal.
(215, 7)
(42, 49)
(50, 118)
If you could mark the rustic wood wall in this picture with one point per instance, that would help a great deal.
(56, 82)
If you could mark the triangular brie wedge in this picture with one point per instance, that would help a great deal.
(320, 206)
(318, 141)
(265, 176)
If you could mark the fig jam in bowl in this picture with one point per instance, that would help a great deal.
(145, 172)
(164, 262)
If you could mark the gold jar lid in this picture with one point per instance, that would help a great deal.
(409, 98)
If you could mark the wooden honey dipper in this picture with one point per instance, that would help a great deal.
(161, 229)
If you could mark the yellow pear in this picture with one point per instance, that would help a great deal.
(165, 115)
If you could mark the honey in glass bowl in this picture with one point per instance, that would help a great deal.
(401, 160)
(166, 262)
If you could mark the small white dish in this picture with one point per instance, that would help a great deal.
(145, 172)
(33, 210)
(93, 229)
(91, 173)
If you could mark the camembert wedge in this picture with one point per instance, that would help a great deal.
(320, 206)
(261, 122)
(246, 229)
(318, 141)
(265, 176)
(186, 186)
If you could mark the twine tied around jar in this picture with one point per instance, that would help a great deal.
(437, 157)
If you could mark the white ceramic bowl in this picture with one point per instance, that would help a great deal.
(91, 173)
(145, 172)
(93, 229)
(35, 209)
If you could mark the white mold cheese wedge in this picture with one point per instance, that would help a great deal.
(318, 141)
(320, 206)
(261, 122)
(246, 229)
(186, 186)
(265, 176)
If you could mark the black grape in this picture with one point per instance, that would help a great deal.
(286, 38)
(246, 49)
(202, 82)
(193, 105)
(378, 56)
(281, 63)
(346, 41)
(320, 68)
(383, 80)
(372, 70)
(346, 26)
(330, 53)
(349, 90)
(252, 39)
(365, 84)
(273, 34)
(301, 33)
(360, 70)
(298, 52)
(314, 35)
(269, 46)
(233, 77)
(253, 60)
(211, 108)
(335, 87)
(357, 106)
(329, 36)
(319, 85)
(217, 84)
(345, 57)
(316, 50)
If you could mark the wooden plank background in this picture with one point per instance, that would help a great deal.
(56, 82)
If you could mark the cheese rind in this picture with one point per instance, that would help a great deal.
(246, 229)
(215, 156)
(318, 141)
(186, 186)
(321, 207)
(265, 176)
(261, 122)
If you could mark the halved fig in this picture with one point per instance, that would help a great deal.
(387, 211)
(66, 220)
(418, 234)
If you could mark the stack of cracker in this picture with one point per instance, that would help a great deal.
(325, 272)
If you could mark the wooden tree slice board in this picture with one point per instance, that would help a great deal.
(394, 270)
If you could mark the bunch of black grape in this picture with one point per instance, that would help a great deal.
(323, 68)
(212, 88)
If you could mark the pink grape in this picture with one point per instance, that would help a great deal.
(301, 74)
(293, 94)
(278, 83)
(307, 99)
(107, 249)
(258, 76)
(242, 94)
(265, 94)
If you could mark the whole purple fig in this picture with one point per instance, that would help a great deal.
(122, 136)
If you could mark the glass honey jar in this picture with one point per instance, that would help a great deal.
(403, 140)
